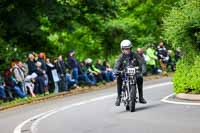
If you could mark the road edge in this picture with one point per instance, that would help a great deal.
(189, 97)
(76, 91)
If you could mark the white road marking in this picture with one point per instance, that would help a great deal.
(165, 99)
(44, 115)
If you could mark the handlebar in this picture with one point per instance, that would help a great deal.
(131, 71)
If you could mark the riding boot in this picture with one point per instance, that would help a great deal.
(119, 91)
(140, 90)
(141, 98)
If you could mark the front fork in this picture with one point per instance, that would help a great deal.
(131, 85)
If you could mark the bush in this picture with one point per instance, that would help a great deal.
(187, 77)
(181, 29)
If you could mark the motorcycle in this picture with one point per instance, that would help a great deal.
(129, 87)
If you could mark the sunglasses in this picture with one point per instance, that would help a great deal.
(125, 48)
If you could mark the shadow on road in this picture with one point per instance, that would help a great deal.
(144, 107)
(147, 107)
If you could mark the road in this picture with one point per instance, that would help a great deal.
(95, 112)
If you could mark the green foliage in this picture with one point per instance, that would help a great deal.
(182, 25)
(182, 29)
(94, 28)
(186, 79)
(9, 52)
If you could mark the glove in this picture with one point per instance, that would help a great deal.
(116, 73)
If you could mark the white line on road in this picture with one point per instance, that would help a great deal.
(44, 115)
(165, 99)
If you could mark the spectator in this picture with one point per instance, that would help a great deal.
(151, 53)
(2, 93)
(91, 69)
(141, 60)
(61, 69)
(73, 65)
(107, 68)
(41, 59)
(40, 79)
(13, 62)
(71, 83)
(31, 64)
(171, 62)
(2, 90)
(11, 85)
(85, 76)
(19, 75)
(104, 73)
(29, 83)
(50, 67)
(163, 57)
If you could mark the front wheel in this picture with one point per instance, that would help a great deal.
(132, 98)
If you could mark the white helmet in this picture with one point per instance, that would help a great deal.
(125, 44)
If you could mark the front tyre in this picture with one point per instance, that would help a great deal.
(132, 98)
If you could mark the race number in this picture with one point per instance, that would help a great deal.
(131, 70)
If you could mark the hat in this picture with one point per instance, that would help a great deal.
(38, 64)
(88, 60)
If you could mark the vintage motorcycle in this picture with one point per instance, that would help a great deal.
(129, 87)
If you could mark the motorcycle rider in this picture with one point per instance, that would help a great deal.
(125, 58)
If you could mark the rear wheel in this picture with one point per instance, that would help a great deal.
(133, 98)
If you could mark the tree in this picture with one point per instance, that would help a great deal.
(182, 29)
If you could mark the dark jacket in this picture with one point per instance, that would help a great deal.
(39, 72)
(100, 67)
(31, 67)
(162, 52)
(43, 67)
(124, 60)
(60, 67)
(72, 62)
(50, 67)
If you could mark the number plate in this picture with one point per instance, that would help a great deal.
(131, 70)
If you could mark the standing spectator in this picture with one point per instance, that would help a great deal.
(51, 82)
(73, 65)
(41, 59)
(163, 57)
(141, 60)
(31, 64)
(151, 53)
(61, 69)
